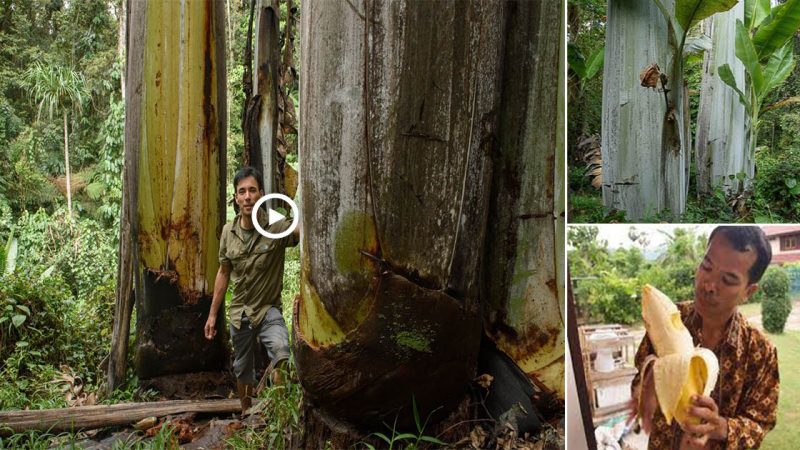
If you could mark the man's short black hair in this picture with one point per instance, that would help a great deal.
(748, 238)
(248, 171)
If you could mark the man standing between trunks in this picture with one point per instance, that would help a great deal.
(254, 263)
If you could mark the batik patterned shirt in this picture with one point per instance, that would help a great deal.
(746, 392)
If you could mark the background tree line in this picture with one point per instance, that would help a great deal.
(607, 282)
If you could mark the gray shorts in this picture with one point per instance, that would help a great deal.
(271, 332)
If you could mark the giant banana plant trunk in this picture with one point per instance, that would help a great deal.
(523, 275)
(721, 143)
(263, 124)
(644, 141)
(266, 116)
(175, 179)
(400, 104)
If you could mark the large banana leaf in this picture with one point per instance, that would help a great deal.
(755, 11)
(689, 13)
(726, 75)
(746, 52)
(697, 45)
(585, 68)
(576, 60)
(595, 62)
(780, 65)
(776, 30)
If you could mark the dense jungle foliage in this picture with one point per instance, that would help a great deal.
(61, 74)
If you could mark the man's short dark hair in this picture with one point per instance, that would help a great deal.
(248, 171)
(748, 238)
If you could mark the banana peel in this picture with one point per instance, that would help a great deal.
(680, 371)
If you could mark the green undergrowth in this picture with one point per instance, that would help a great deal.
(280, 408)
(394, 439)
(772, 197)
(586, 206)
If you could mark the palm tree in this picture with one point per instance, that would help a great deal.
(58, 88)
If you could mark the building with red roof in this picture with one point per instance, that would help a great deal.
(785, 242)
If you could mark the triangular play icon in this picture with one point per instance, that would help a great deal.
(275, 216)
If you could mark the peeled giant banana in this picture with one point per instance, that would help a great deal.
(681, 370)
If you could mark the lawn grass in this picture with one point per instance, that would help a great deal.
(786, 434)
(754, 309)
(750, 309)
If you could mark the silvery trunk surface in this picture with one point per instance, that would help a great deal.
(643, 142)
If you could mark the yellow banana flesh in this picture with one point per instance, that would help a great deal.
(681, 370)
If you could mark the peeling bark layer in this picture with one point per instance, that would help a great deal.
(523, 273)
(399, 103)
(643, 148)
(721, 143)
(264, 126)
(265, 120)
(175, 136)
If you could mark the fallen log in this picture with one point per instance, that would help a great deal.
(100, 416)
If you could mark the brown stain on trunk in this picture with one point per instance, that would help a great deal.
(209, 127)
(551, 173)
(553, 285)
(520, 345)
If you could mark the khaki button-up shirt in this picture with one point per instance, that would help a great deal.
(746, 392)
(256, 267)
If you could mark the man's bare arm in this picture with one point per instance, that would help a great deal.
(220, 287)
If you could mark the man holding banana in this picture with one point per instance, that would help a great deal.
(742, 407)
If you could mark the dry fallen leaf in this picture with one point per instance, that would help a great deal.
(650, 75)
(477, 437)
(592, 155)
(484, 380)
(72, 387)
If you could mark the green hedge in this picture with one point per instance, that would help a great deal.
(776, 305)
(776, 186)
(610, 299)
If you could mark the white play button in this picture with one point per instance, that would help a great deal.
(275, 216)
